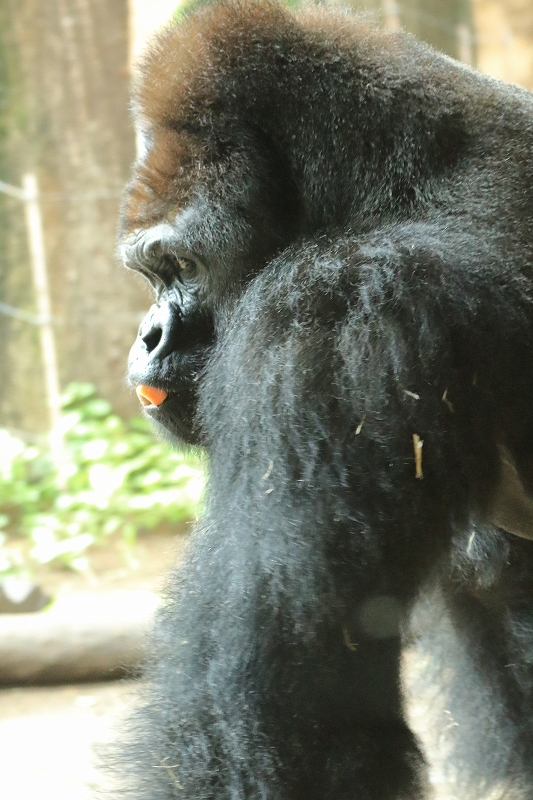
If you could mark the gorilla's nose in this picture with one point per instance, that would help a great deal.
(155, 342)
(157, 330)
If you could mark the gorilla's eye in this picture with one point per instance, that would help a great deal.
(173, 268)
(188, 269)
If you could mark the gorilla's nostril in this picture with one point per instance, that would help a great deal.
(152, 338)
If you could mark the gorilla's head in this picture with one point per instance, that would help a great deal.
(259, 132)
(211, 200)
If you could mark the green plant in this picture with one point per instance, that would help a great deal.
(115, 477)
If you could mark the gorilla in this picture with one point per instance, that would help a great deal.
(337, 223)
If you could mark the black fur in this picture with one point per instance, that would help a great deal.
(340, 224)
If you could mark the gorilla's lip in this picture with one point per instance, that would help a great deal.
(165, 412)
(150, 395)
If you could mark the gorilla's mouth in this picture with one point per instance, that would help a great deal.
(150, 396)
(172, 413)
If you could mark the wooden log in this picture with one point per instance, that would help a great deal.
(83, 636)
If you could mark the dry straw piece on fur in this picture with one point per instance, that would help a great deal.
(418, 444)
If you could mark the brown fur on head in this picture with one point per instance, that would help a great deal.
(229, 64)
(175, 96)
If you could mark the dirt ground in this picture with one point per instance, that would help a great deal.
(48, 734)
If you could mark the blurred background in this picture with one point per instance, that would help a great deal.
(88, 498)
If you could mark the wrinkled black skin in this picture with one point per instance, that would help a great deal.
(397, 273)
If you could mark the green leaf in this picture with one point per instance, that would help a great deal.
(119, 478)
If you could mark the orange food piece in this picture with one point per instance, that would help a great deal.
(149, 395)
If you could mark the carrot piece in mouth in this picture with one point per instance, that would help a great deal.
(150, 396)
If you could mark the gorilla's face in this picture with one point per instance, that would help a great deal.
(198, 221)
(175, 336)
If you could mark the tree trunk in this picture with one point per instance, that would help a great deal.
(505, 31)
(66, 118)
(445, 25)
